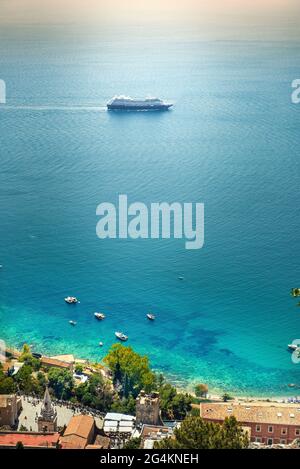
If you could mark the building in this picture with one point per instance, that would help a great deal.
(15, 368)
(101, 442)
(67, 358)
(10, 407)
(151, 433)
(12, 353)
(79, 433)
(6, 366)
(267, 423)
(47, 420)
(30, 440)
(119, 428)
(53, 362)
(147, 409)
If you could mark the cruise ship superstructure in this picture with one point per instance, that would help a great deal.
(131, 104)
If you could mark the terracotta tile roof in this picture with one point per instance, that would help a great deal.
(80, 425)
(151, 431)
(77, 432)
(253, 413)
(54, 362)
(72, 442)
(34, 440)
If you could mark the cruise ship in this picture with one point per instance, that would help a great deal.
(129, 104)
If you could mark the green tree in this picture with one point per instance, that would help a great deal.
(195, 433)
(41, 377)
(25, 349)
(174, 405)
(134, 443)
(201, 390)
(23, 428)
(26, 382)
(27, 357)
(78, 368)
(160, 379)
(32, 361)
(124, 405)
(87, 399)
(7, 386)
(61, 382)
(96, 393)
(19, 445)
(130, 370)
(226, 397)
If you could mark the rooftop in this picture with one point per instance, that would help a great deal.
(30, 439)
(54, 362)
(114, 416)
(118, 423)
(101, 442)
(78, 432)
(155, 432)
(80, 425)
(69, 358)
(252, 413)
(16, 366)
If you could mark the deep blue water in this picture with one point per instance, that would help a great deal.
(232, 142)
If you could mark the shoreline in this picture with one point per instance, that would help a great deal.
(214, 395)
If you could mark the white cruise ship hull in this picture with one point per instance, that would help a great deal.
(138, 107)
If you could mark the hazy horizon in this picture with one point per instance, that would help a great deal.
(242, 18)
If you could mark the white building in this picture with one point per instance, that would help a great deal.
(119, 427)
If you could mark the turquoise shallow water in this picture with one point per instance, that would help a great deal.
(232, 142)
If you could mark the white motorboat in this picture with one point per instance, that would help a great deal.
(150, 316)
(293, 347)
(99, 316)
(121, 336)
(71, 300)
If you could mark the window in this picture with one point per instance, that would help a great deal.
(270, 429)
(270, 441)
(283, 442)
(297, 431)
(258, 439)
(284, 431)
(258, 428)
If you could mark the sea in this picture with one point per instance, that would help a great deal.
(231, 142)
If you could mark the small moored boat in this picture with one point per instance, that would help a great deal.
(71, 300)
(99, 316)
(295, 292)
(293, 347)
(73, 323)
(150, 316)
(100, 344)
(121, 336)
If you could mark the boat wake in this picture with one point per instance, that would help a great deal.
(47, 107)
